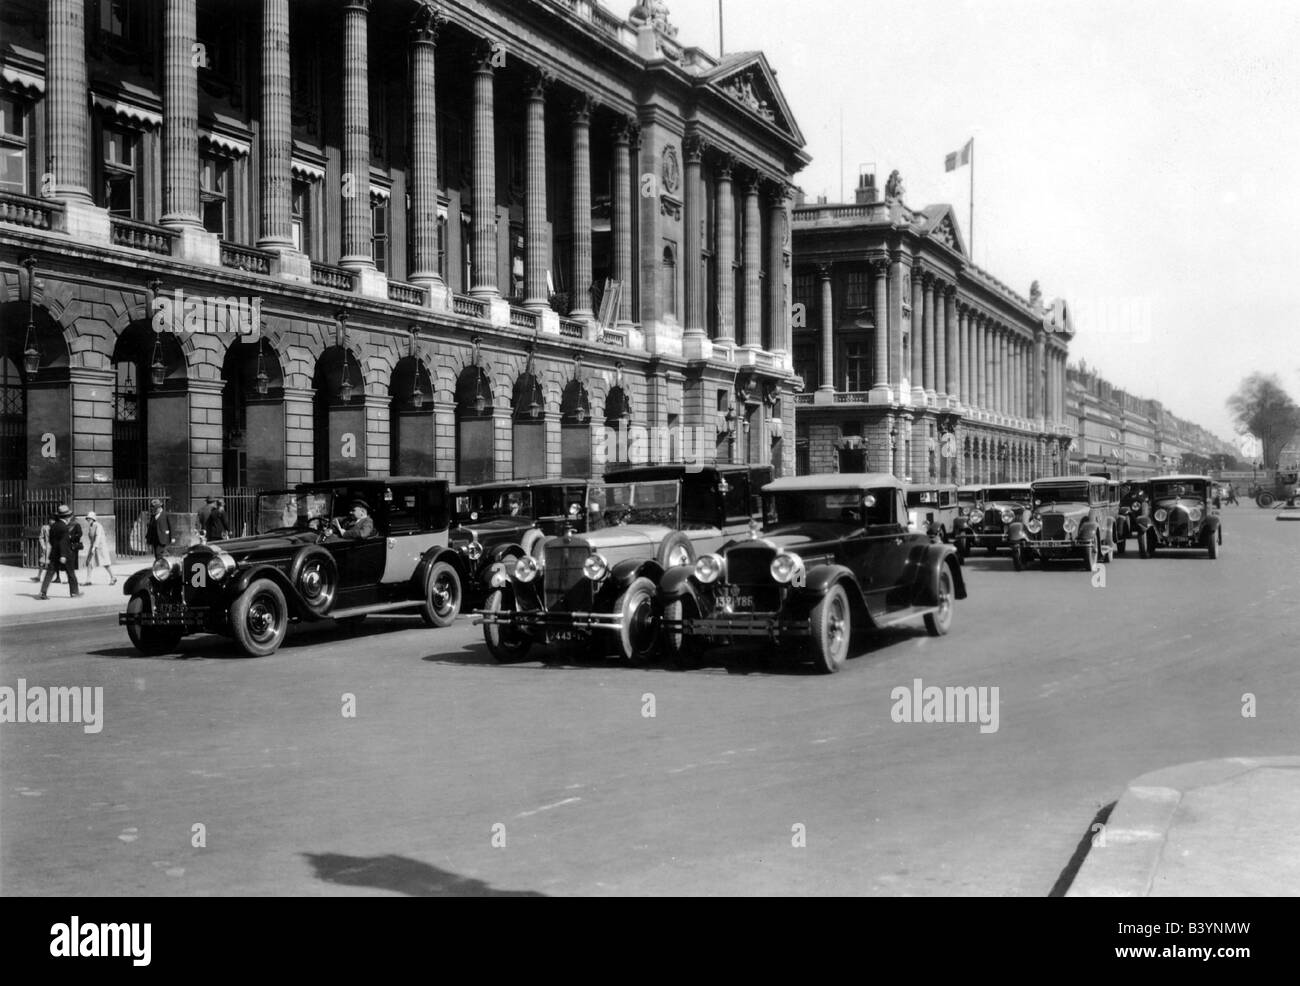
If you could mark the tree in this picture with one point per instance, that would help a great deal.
(1263, 409)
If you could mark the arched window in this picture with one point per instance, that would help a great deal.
(475, 434)
(528, 406)
(338, 416)
(575, 430)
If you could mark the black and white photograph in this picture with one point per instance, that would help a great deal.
(703, 448)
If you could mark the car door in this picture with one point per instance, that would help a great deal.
(878, 556)
(360, 561)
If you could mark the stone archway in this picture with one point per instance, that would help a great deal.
(475, 427)
(252, 416)
(411, 431)
(338, 415)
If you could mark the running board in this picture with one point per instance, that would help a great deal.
(343, 614)
(902, 615)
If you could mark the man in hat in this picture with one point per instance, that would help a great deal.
(203, 513)
(360, 526)
(215, 526)
(158, 533)
(63, 556)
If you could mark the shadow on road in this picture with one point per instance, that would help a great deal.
(1080, 852)
(403, 876)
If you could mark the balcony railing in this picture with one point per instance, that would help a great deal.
(325, 276)
(852, 396)
(571, 328)
(407, 294)
(522, 318)
(614, 337)
(803, 398)
(24, 210)
(140, 236)
(244, 258)
(471, 307)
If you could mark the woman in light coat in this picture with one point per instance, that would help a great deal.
(97, 548)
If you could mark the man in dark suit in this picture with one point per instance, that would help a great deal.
(158, 534)
(63, 555)
(215, 526)
(360, 526)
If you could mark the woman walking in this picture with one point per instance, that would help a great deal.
(97, 549)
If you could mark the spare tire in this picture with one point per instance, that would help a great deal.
(675, 550)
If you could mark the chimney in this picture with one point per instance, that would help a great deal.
(866, 190)
(821, 200)
(799, 197)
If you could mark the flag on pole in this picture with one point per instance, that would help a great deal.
(958, 159)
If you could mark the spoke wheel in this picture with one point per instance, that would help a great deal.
(442, 595)
(504, 643)
(260, 618)
(317, 585)
(639, 632)
(832, 628)
(938, 622)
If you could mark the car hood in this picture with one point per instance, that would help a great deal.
(489, 532)
(628, 536)
(1185, 502)
(258, 546)
(800, 537)
(1076, 510)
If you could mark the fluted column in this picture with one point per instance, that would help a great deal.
(580, 186)
(898, 369)
(357, 246)
(941, 340)
(778, 303)
(963, 345)
(828, 326)
(929, 338)
(693, 236)
(180, 129)
(67, 123)
(275, 140)
(986, 364)
(484, 193)
(880, 271)
(726, 253)
(752, 264)
(1004, 378)
(622, 216)
(953, 347)
(424, 150)
(537, 240)
(977, 343)
(918, 337)
(1036, 397)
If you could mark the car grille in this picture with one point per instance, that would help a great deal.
(993, 520)
(208, 594)
(1178, 523)
(749, 574)
(1053, 527)
(562, 581)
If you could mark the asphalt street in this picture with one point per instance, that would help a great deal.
(457, 775)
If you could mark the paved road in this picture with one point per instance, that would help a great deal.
(1096, 686)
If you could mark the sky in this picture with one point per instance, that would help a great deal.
(1140, 159)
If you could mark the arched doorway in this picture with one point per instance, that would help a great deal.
(618, 422)
(528, 414)
(338, 416)
(575, 430)
(252, 418)
(410, 419)
(475, 430)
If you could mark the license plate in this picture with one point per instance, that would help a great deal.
(739, 602)
(559, 636)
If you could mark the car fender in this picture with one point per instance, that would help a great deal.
(434, 555)
(287, 585)
(498, 553)
(818, 581)
(1212, 523)
(623, 572)
(1087, 530)
(1144, 523)
(141, 580)
(676, 584)
(961, 526)
(1016, 531)
(932, 562)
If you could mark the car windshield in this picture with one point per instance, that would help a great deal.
(1132, 491)
(1169, 491)
(828, 507)
(1066, 493)
(1020, 494)
(634, 503)
(916, 498)
(478, 505)
(290, 510)
(968, 499)
(551, 502)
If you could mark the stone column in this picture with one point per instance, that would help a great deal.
(930, 395)
(751, 264)
(180, 103)
(622, 216)
(484, 193)
(696, 291)
(941, 341)
(726, 253)
(1004, 378)
(950, 316)
(882, 378)
(357, 247)
(537, 239)
(898, 368)
(424, 155)
(580, 129)
(276, 138)
(778, 303)
(918, 337)
(67, 98)
(986, 365)
(963, 344)
(828, 327)
(1036, 402)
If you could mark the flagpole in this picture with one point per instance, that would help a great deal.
(972, 198)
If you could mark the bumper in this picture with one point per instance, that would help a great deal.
(770, 626)
(167, 615)
(1055, 546)
(537, 619)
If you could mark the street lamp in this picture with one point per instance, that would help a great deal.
(31, 349)
(480, 401)
(417, 392)
(345, 385)
(262, 382)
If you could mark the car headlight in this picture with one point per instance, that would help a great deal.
(1161, 515)
(1071, 525)
(708, 568)
(497, 578)
(1136, 508)
(161, 569)
(786, 567)
(595, 567)
(219, 566)
(526, 568)
(1033, 525)
(474, 550)
(1008, 515)
(1195, 514)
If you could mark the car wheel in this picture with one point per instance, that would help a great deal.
(683, 651)
(963, 547)
(1152, 542)
(150, 640)
(259, 617)
(637, 635)
(943, 534)
(505, 644)
(317, 583)
(676, 550)
(1121, 544)
(1090, 553)
(442, 595)
(1017, 558)
(1144, 545)
(1264, 500)
(939, 621)
(1213, 546)
(832, 628)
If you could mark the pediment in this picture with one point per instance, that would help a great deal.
(941, 225)
(746, 78)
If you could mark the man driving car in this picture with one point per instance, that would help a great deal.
(360, 525)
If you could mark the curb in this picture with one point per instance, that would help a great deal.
(57, 614)
(1125, 856)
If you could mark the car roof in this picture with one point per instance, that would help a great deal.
(350, 482)
(675, 470)
(930, 486)
(1008, 486)
(1069, 480)
(518, 484)
(971, 489)
(842, 481)
(1180, 478)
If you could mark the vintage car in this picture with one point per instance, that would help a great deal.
(599, 587)
(834, 554)
(931, 508)
(1181, 516)
(299, 567)
(1069, 517)
(986, 526)
(496, 521)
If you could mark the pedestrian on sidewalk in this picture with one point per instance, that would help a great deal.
(158, 534)
(203, 513)
(97, 549)
(63, 557)
(215, 525)
(45, 551)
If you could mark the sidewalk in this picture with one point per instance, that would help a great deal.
(19, 604)
(1217, 828)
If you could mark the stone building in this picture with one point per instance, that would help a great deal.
(272, 242)
(915, 360)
